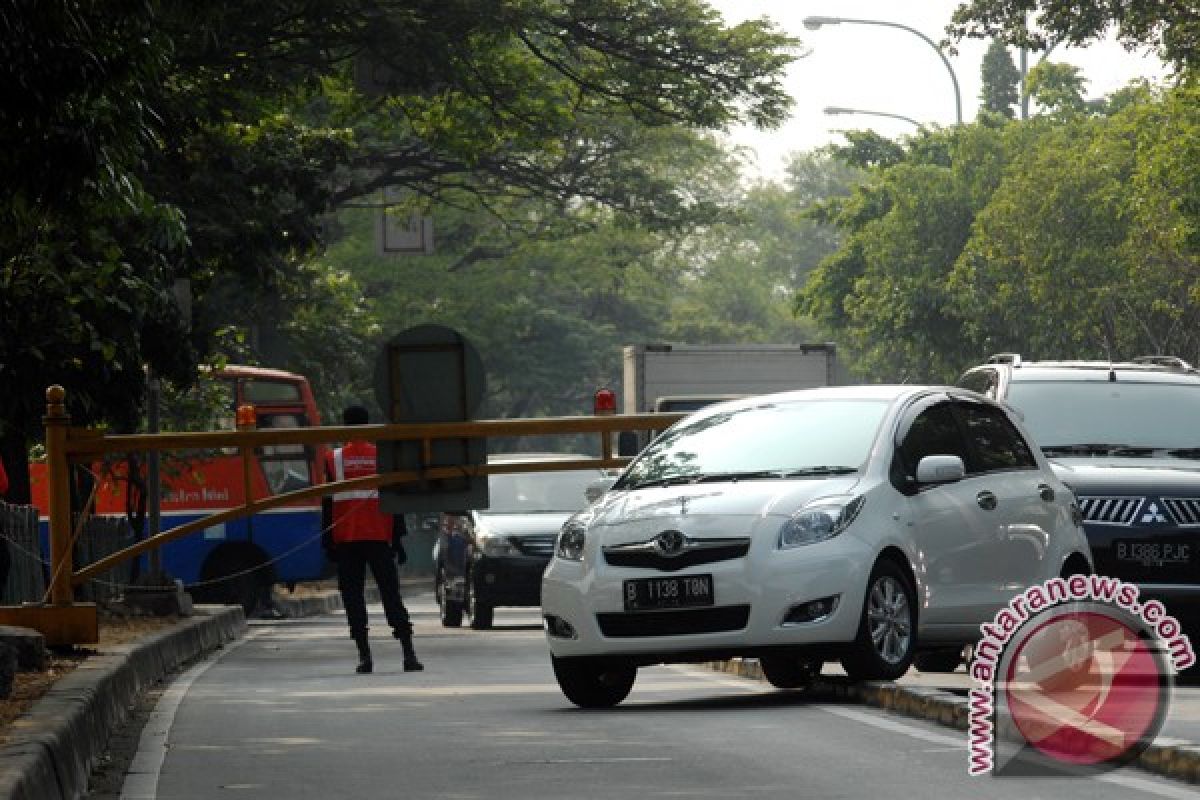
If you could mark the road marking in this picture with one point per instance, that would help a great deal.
(141, 779)
(959, 743)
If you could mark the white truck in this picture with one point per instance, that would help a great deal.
(683, 377)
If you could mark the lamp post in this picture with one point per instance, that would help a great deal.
(813, 23)
(835, 110)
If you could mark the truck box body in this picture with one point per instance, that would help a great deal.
(683, 376)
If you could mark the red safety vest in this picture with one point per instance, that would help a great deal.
(356, 514)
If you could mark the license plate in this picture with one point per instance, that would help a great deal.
(680, 591)
(1153, 554)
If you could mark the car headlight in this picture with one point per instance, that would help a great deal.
(819, 520)
(494, 546)
(571, 539)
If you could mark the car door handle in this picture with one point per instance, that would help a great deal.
(986, 500)
(1046, 492)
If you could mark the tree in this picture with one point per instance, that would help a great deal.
(1001, 80)
(157, 140)
(1170, 27)
(1057, 87)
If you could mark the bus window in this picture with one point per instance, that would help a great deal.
(285, 466)
(269, 392)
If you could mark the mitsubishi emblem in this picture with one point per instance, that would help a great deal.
(1153, 515)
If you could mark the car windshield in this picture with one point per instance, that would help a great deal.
(1093, 417)
(525, 492)
(798, 438)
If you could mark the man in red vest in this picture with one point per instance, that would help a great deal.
(358, 535)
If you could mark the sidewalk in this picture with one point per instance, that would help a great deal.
(942, 698)
(51, 750)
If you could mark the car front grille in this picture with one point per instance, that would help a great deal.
(1184, 510)
(537, 545)
(1110, 510)
(699, 551)
(674, 623)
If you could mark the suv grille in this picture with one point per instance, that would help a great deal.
(537, 545)
(674, 623)
(1110, 510)
(1185, 511)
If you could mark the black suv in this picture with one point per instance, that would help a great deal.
(1126, 438)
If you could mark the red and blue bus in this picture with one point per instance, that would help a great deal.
(236, 561)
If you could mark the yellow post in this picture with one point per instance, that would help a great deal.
(58, 423)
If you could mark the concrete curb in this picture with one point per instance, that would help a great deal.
(1172, 758)
(53, 747)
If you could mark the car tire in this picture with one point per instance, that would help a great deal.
(451, 612)
(594, 682)
(481, 617)
(480, 613)
(789, 672)
(887, 629)
(938, 660)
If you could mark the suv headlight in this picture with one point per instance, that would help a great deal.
(571, 540)
(819, 520)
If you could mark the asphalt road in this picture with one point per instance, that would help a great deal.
(280, 714)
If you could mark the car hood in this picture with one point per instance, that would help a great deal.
(525, 524)
(1129, 475)
(679, 506)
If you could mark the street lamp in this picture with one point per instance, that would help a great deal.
(834, 110)
(813, 23)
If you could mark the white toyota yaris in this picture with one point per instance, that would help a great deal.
(860, 523)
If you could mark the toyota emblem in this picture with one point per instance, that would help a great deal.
(670, 543)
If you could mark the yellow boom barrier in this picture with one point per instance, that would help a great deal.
(65, 622)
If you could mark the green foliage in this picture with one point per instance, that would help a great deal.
(149, 140)
(1001, 81)
(1056, 87)
(1067, 236)
(1170, 27)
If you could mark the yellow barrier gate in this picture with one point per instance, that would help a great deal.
(64, 622)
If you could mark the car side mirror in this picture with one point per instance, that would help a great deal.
(597, 488)
(940, 469)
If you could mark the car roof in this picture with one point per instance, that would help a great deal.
(885, 392)
(1098, 371)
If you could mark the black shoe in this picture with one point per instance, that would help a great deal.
(412, 665)
(364, 667)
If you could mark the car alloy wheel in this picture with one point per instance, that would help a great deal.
(884, 647)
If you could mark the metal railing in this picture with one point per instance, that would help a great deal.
(66, 445)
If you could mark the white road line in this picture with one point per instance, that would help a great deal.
(141, 779)
(1127, 778)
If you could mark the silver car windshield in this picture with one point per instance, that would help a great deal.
(1062, 414)
(526, 492)
(800, 438)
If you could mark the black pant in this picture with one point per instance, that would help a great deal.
(352, 561)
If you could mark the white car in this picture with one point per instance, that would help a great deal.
(860, 523)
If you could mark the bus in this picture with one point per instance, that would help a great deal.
(237, 561)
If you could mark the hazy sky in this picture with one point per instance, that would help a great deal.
(889, 70)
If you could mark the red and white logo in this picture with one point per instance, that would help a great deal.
(1085, 687)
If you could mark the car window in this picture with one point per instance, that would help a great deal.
(784, 436)
(519, 492)
(983, 381)
(1127, 413)
(995, 443)
(934, 432)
